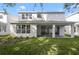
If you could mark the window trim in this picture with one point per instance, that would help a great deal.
(27, 16)
(23, 16)
(21, 29)
(3, 28)
(28, 28)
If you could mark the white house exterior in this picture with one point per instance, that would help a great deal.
(74, 17)
(35, 24)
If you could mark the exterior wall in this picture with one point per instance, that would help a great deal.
(12, 29)
(34, 15)
(56, 17)
(45, 16)
(33, 31)
(73, 18)
(2, 32)
(68, 30)
(4, 19)
(11, 18)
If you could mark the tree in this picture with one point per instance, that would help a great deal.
(34, 6)
(7, 5)
(41, 5)
(67, 5)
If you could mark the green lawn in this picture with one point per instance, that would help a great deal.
(38, 46)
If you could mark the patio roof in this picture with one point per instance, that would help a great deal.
(43, 12)
(45, 22)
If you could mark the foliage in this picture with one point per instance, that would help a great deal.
(5, 6)
(67, 6)
(41, 5)
(39, 46)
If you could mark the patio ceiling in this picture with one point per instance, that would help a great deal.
(45, 22)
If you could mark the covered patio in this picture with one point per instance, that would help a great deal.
(54, 28)
(48, 28)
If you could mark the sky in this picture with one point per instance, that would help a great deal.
(30, 6)
(72, 10)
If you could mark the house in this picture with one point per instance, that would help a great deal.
(35, 24)
(73, 17)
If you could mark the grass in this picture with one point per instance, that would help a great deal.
(38, 46)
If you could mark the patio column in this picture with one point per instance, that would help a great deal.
(8, 28)
(34, 30)
(72, 31)
(53, 31)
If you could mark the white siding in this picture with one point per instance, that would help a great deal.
(34, 30)
(68, 29)
(56, 17)
(4, 19)
(44, 17)
(74, 17)
(12, 18)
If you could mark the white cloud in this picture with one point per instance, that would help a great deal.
(21, 8)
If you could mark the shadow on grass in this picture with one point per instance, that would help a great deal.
(41, 46)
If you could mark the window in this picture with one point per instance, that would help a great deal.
(1, 16)
(2, 28)
(30, 16)
(23, 28)
(39, 16)
(28, 28)
(18, 28)
(26, 16)
(23, 16)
